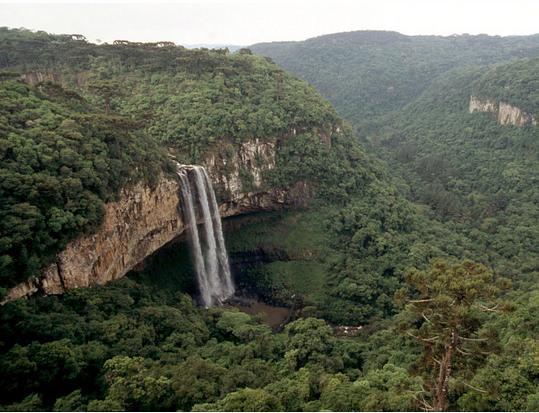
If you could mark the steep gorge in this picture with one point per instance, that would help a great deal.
(100, 193)
(145, 218)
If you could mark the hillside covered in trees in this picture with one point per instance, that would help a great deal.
(106, 117)
(429, 255)
(470, 171)
(370, 73)
(473, 175)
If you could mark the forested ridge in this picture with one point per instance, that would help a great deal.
(476, 178)
(186, 98)
(431, 251)
(515, 83)
(109, 120)
(368, 73)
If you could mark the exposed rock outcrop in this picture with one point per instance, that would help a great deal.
(478, 105)
(143, 219)
(33, 78)
(237, 172)
(506, 114)
(511, 115)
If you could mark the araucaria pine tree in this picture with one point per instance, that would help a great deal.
(444, 309)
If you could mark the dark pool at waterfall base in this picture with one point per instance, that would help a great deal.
(172, 268)
(271, 315)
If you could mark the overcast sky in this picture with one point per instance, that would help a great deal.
(243, 22)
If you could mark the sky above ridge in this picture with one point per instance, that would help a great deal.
(244, 22)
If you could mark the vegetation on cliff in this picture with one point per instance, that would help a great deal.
(184, 98)
(515, 83)
(67, 149)
(60, 160)
(416, 252)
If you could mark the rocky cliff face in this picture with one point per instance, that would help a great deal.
(141, 221)
(144, 219)
(506, 114)
(35, 77)
(237, 172)
(511, 115)
(478, 105)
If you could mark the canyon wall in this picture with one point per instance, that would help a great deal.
(511, 115)
(143, 219)
(506, 114)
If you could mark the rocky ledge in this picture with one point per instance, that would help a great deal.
(506, 113)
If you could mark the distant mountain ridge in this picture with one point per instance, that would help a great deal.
(230, 47)
(371, 73)
(454, 118)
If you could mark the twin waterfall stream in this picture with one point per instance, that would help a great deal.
(207, 242)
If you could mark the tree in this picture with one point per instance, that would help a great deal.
(245, 400)
(31, 403)
(132, 386)
(388, 389)
(241, 326)
(106, 89)
(73, 402)
(444, 309)
(308, 340)
(508, 380)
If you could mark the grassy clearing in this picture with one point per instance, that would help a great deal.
(300, 235)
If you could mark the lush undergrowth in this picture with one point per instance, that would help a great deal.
(281, 255)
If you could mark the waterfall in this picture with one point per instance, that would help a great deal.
(207, 241)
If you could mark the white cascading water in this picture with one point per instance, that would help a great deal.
(207, 242)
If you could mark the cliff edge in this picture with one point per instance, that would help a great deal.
(143, 219)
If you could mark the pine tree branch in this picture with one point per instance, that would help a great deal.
(462, 351)
(473, 339)
(429, 340)
(426, 406)
(474, 388)
(491, 309)
(425, 317)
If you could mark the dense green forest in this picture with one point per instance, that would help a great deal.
(370, 73)
(182, 97)
(423, 230)
(474, 177)
(60, 160)
(515, 83)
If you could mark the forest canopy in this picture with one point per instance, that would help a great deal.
(106, 116)
(422, 238)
